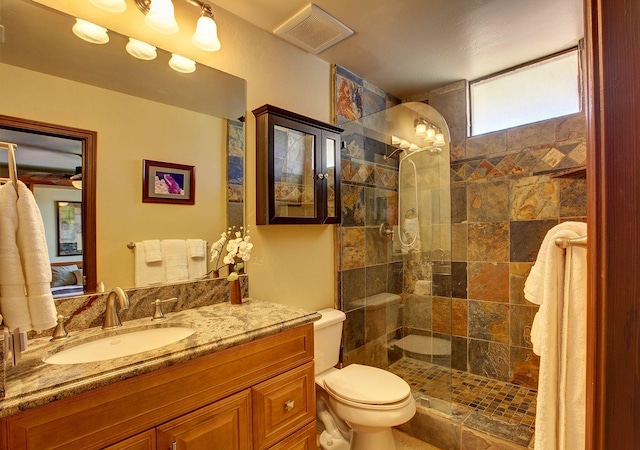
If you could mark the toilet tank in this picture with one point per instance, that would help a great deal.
(327, 332)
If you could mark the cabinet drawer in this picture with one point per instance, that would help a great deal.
(142, 441)
(282, 405)
(304, 439)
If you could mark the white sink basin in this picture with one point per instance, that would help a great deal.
(119, 345)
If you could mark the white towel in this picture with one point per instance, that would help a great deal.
(36, 266)
(557, 283)
(147, 273)
(13, 299)
(152, 251)
(175, 260)
(196, 263)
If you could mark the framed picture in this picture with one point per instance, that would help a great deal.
(164, 182)
(69, 228)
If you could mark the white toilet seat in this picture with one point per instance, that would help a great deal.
(368, 387)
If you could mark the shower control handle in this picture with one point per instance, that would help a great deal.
(386, 232)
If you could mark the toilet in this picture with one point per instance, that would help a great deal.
(357, 405)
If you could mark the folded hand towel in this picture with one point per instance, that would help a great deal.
(196, 248)
(175, 259)
(152, 250)
(13, 300)
(147, 273)
(34, 255)
(196, 263)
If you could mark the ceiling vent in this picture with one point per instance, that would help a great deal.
(313, 30)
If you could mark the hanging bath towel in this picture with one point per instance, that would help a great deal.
(557, 283)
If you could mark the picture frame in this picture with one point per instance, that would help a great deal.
(164, 182)
(69, 228)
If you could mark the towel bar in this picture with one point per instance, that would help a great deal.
(564, 242)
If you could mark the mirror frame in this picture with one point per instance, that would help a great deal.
(89, 173)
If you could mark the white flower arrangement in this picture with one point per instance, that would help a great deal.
(238, 250)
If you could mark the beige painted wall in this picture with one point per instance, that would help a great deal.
(290, 264)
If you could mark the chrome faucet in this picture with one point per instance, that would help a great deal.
(111, 318)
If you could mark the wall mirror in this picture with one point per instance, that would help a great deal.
(39, 39)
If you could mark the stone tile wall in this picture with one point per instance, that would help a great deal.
(504, 199)
(369, 197)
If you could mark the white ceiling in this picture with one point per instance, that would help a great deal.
(409, 47)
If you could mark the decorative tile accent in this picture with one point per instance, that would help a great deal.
(459, 317)
(353, 336)
(518, 273)
(459, 279)
(526, 238)
(353, 287)
(573, 197)
(533, 198)
(459, 236)
(489, 321)
(489, 281)
(521, 320)
(525, 367)
(376, 279)
(488, 202)
(535, 134)
(353, 212)
(417, 311)
(488, 241)
(376, 251)
(349, 105)
(486, 144)
(489, 359)
(441, 321)
(353, 250)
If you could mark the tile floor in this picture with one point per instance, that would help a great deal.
(501, 409)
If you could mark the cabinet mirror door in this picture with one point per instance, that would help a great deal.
(332, 170)
(294, 172)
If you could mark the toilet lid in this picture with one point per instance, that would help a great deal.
(368, 385)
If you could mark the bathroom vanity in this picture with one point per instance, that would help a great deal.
(243, 380)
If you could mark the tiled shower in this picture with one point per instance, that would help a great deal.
(507, 189)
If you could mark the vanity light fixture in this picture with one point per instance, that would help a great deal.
(90, 32)
(76, 180)
(181, 64)
(439, 140)
(141, 50)
(160, 16)
(114, 6)
(206, 35)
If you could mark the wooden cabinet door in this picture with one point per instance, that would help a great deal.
(283, 405)
(304, 439)
(142, 441)
(223, 425)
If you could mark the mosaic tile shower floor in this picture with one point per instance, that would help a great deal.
(501, 409)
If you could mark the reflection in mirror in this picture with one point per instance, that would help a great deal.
(39, 40)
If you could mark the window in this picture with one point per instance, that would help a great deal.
(540, 90)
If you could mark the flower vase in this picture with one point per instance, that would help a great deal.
(236, 292)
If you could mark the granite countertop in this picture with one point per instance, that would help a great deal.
(33, 383)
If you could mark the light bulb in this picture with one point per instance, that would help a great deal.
(161, 17)
(141, 50)
(421, 129)
(439, 140)
(413, 148)
(395, 140)
(430, 134)
(114, 6)
(206, 35)
(182, 64)
(90, 32)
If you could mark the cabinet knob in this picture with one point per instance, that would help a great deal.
(289, 405)
(320, 176)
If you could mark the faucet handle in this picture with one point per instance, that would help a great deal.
(59, 332)
(158, 314)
